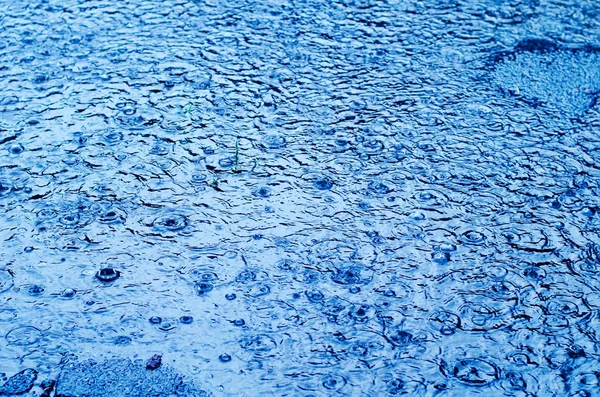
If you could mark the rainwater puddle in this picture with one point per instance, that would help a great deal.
(303, 198)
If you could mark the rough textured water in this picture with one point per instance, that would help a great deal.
(304, 198)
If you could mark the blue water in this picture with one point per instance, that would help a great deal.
(305, 198)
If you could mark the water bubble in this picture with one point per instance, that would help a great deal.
(107, 274)
(16, 148)
(68, 293)
(239, 322)
(186, 319)
(160, 149)
(227, 162)
(225, 358)
(197, 179)
(395, 386)
(371, 146)
(155, 320)
(230, 297)
(203, 288)
(556, 322)
(308, 276)
(515, 381)
(5, 189)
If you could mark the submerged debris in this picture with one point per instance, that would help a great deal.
(19, 383)
(123, 378)
(48, 386)
(154, 362)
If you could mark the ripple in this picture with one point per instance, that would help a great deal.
(6, 280)
(258, 343)
(263, 191)
(431, 198)
(473, 237)
(122, 340)
(355, 314)
(314, 296)
(171, 223)
(23, 336)
(472, 371)
(445, 322)
(352, 274)
(378, 188)
(273, 141)
(323, 183)
(112, 216)
(112, 137)
(371, 146)
(334, 382)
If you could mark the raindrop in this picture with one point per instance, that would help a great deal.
(108, 274)
(230, 297)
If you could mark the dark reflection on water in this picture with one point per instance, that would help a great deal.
(307, 197)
